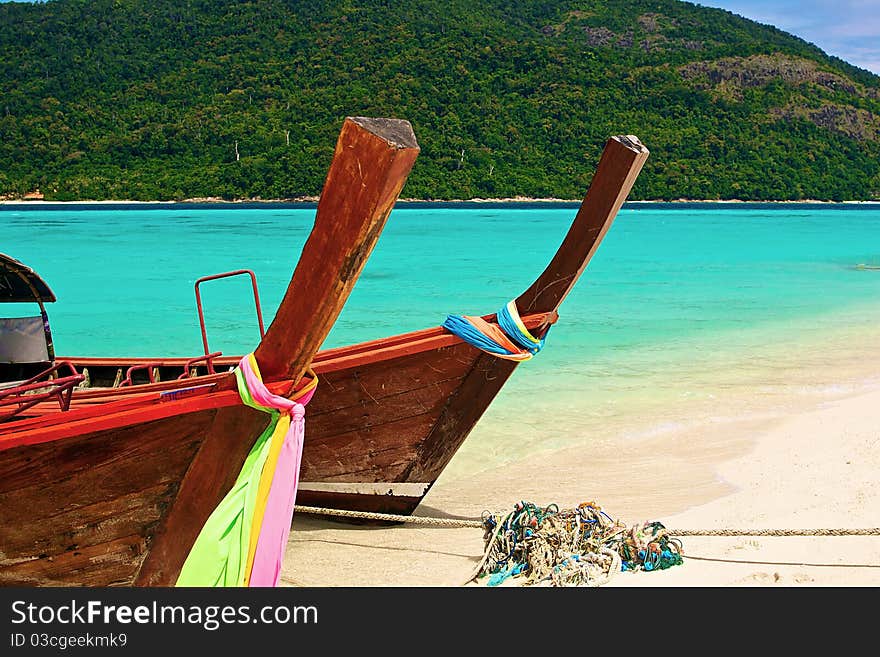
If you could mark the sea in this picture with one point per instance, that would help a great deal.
(688, 312)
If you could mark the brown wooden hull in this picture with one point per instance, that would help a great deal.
(381, 432)
(375, 436)
(115, 488)
(89, 509)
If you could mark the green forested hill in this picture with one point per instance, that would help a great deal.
(173, 99)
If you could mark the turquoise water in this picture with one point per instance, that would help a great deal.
(679, 299)
(124, 277)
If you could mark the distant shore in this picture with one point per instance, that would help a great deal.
(311, 200)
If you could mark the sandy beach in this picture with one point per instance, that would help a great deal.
(813, 465)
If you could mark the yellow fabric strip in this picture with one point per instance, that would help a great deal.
(268, 473)
(514, 314)
(277, 441)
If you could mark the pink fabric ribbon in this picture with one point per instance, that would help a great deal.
(275, 530)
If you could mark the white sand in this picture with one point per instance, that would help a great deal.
(819, 469)
(816, 467)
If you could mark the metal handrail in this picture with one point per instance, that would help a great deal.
(61, 388)
(152, 365)
(227, 274)
(207, 358)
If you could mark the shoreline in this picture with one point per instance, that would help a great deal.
(313, 200)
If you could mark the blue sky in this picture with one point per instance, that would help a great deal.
(849, 29)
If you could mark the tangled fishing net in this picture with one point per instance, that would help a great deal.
(572, 547)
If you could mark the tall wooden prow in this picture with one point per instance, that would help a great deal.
(372, 160)
(619, 166)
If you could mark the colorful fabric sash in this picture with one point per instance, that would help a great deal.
(243, 540)
(508, 339)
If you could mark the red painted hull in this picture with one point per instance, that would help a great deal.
(132, 478)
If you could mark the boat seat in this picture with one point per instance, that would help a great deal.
(28, 375)
(23, 349)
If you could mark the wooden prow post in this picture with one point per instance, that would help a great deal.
(620, 164)
(371, 163)
(372, 160)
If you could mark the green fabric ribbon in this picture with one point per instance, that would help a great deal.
(219, 555)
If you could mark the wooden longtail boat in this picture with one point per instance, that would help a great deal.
(114, 489)
(106, 486)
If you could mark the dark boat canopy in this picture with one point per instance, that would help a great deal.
(21, 284)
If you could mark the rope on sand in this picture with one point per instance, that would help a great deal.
(464, 522)
(866, 531)
(574, 547)
(388, 517)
